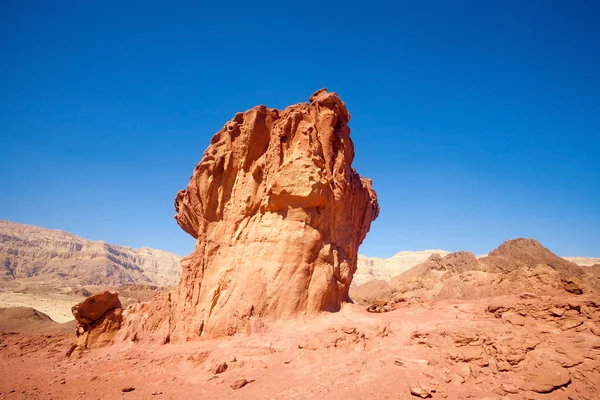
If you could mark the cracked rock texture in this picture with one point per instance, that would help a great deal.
(278, 213)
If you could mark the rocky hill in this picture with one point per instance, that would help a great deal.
(26, 319)
(516, 266)
(29, 251)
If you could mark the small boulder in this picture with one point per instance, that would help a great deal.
(557, 312)
(95, 306)
(571, 286)
(99, 319)
(547, 377)
(219, 368)
(240, 383)
(421, 391)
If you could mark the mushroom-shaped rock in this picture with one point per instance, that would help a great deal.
(99, 319)
(278, 213)
(95, 306)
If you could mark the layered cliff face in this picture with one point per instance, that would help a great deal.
(27, 251)
(278, 213)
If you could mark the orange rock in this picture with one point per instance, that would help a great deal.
(513, 318)
(278, 213)
(219, 368)
(571, 286)
(547, 377)
(100, 318)
(95, 306)
(102, 331)
(508, 388)
(240, 383)
(421, 390)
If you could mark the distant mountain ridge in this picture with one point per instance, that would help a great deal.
(383, 269)
(583, 261)
(516, 266)
(28, 251)
(375, 268)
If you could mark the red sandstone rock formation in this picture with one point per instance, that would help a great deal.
(278, 213)
(99, 319)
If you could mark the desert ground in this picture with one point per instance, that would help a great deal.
(57, 307)
(508, 347)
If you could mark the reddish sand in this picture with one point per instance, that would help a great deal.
(486, 348)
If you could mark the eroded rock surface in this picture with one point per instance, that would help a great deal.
(99, 319)
(507, 347)
(278, 213)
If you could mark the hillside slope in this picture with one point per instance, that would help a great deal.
(516, 266)
(29, 251)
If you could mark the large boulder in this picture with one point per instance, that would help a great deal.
(99, 319)
(278, 213)
(95, 306)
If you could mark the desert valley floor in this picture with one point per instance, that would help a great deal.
(507, 347)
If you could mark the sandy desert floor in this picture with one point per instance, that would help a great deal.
(513, 347)
(56, 306)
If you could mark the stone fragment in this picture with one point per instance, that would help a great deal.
(240, 383)
(546, 377)
(557, 312)
(503, 366)
(571, 286)
(514, 318)
(421, 390)
(219, 368)
(508, 388)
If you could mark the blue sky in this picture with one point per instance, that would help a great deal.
(478, 121)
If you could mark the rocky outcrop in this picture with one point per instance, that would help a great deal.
(99, 319)
(516, 266)
(27, 251)
(522, 345)
(278, 213)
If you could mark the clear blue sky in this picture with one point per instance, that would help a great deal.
(478, 121)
